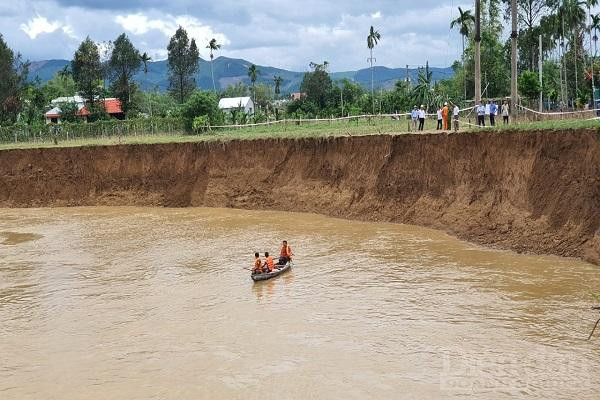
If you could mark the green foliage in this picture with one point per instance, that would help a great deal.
(529, 85)
(13, 80)
(201, 123)
(34, 103)
(183, 64)
(201, 104)
(551, 80)
(263, 95)
(61, 85)
(317, 85)
(155, 104)
(68, 112)
(238, 90)
(87, 69)
(125, 60)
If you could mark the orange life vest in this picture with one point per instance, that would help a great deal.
(286, 251)
(270, 264)
(257, 264)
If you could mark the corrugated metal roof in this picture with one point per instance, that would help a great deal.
(234, 102)
(54, 113)
(72, 99)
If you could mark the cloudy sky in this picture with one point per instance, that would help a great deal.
(281, 33)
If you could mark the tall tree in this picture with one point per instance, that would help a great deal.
(477, 51)
(213, 46)
(465, 22)
(253, 73)
(145, 59)
(317, 85)
(513, 59)
(183, 64)
(278, 80)
(124, 62)
(87, 70)
(372, 40)
(13, 73)
(594, 26)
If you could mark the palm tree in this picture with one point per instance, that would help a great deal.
(253, 73)
(278, 81)
(213, 46)
(372, 41)
(594, 27)
(465, 22)
(590, 4)
(145, 58)
(573, 13)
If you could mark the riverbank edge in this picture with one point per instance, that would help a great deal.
(533, 192)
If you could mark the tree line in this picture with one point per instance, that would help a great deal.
(568, 51)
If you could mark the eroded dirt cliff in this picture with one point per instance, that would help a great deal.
(535, 191)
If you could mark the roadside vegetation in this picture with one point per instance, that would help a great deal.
(570, 65)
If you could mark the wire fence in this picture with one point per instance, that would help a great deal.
(93, 130)
(176, 126)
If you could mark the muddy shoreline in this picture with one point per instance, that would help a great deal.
(536, 192)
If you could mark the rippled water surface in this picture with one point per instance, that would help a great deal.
(142, 303)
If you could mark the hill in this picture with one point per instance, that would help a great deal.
(230, 71)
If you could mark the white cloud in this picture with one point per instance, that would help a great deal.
(140, 24)
(68, 30)
(38, 26)
(376, 15)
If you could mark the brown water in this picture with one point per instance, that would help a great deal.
(133, 303)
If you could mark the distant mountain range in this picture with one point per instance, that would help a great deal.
(229, 71)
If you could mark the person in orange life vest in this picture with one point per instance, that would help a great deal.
(257, 269)
(269, 264)
(445, 111)
(285, 254)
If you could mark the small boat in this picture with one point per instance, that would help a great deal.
(269, 275)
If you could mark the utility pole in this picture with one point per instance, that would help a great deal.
(513, 61)
(407, 77)
(372, 60)
(342, 98)
(477, 52)
(592, 58)
(540, 64)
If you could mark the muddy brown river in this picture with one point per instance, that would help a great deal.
(148, 303)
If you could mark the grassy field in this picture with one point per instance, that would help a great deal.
(306, 130)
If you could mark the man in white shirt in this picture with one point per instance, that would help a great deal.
(422, 118)
(455, 116)
(440, 119)
(481, 115)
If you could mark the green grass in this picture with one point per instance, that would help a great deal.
(292, 131)
(552, 125)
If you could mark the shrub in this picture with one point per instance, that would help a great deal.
(201, 104)
(201, 124)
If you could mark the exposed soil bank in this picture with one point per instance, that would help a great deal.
(528, 191)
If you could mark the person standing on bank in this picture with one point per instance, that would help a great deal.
(455, 115)
(445, 112)
(422, 118)
(440, 118)
(493, 112)
(414, 115)
(481, 114)
(505, 112)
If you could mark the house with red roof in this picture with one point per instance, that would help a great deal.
(112, 106)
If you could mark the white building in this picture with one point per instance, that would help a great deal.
(231, 103)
